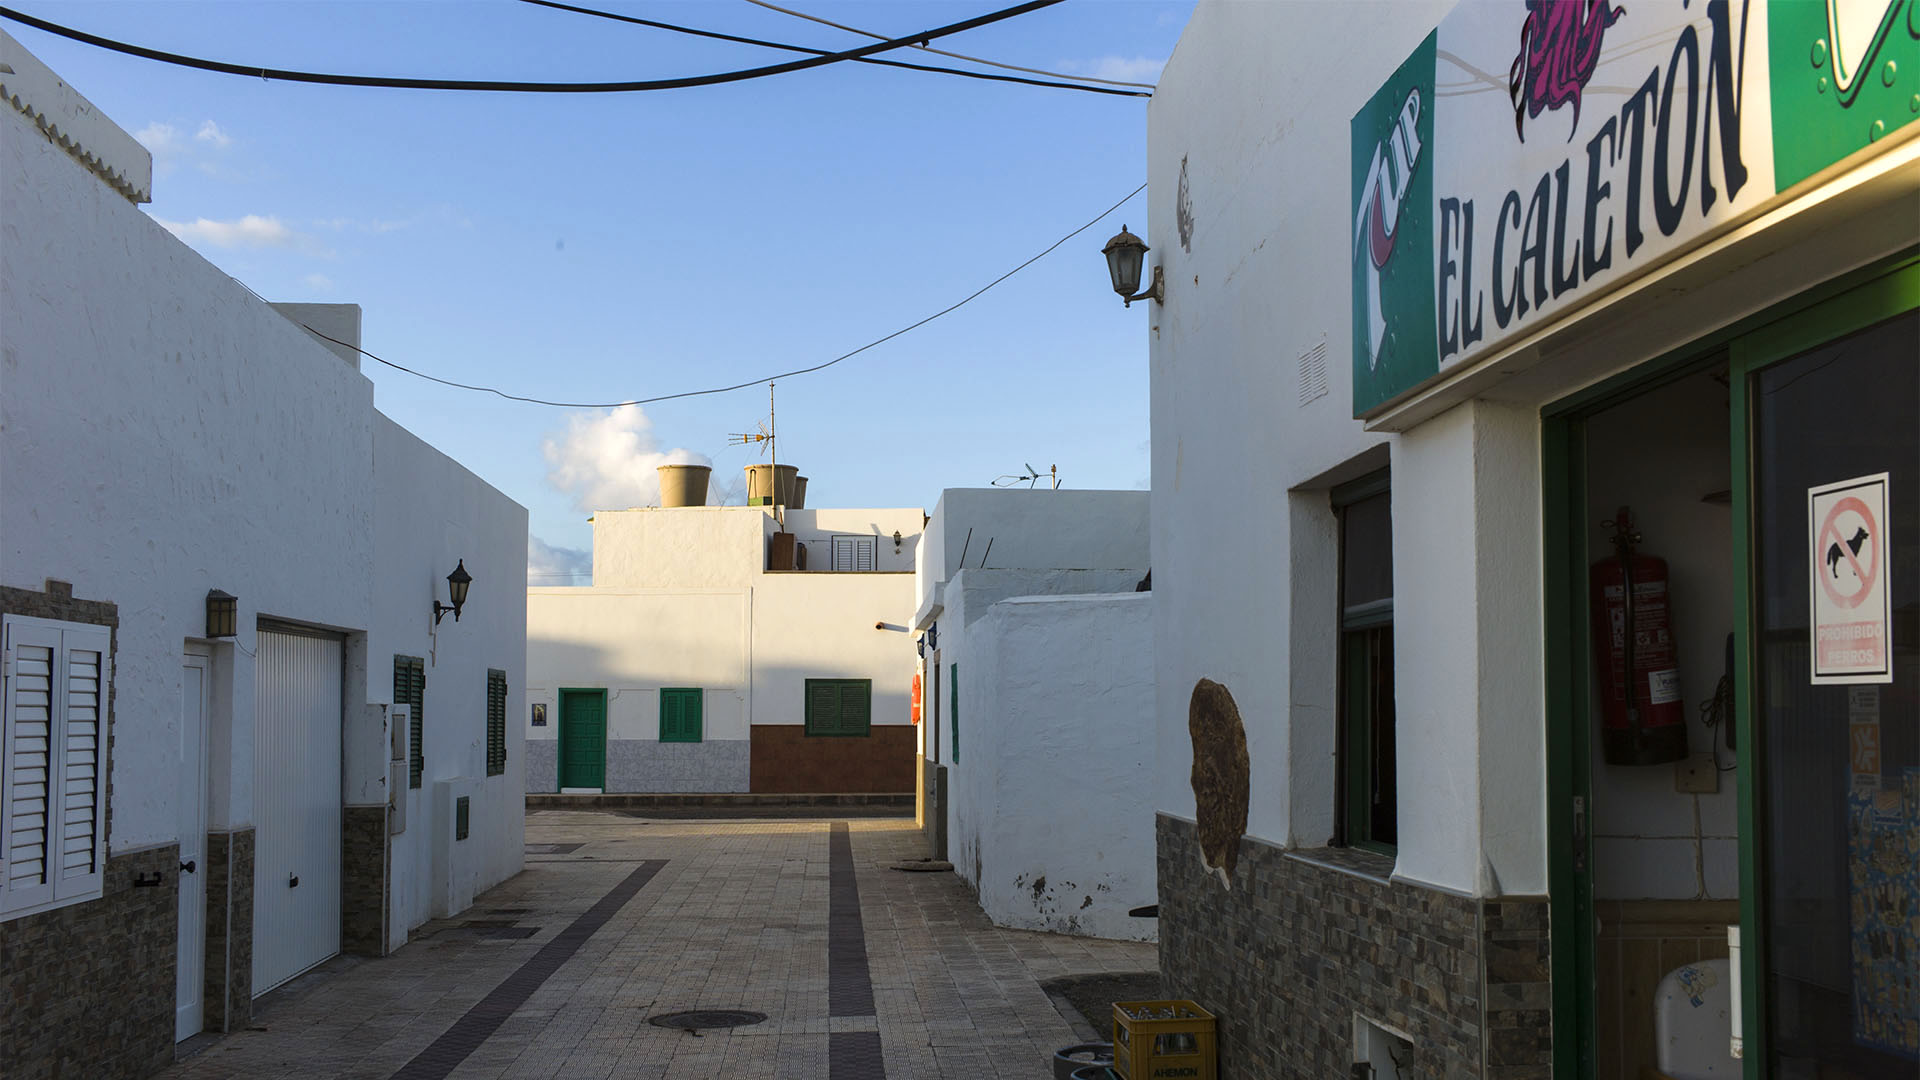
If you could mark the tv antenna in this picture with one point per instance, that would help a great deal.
(763, 434)
(1032, 476)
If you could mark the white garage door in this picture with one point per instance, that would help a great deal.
(296, 798)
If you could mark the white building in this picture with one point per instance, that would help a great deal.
(1440, 298)
(690, 666)
(1037, 712)
(219, 802)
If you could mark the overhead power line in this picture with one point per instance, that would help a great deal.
(718, 36)
(942, 52)
(949, 309)
(494, 85)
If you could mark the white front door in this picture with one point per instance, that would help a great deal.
(190, 969)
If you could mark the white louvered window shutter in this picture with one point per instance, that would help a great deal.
(853, 553)
(81, 783)
(51, 845)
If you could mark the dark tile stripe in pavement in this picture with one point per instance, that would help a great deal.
(851, 1055)
(486, 1016)
(855, 1055)
(849, 983)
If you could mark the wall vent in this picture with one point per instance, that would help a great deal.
(1313, 373)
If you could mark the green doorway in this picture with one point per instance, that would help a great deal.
(1795, 815)
(583, 739)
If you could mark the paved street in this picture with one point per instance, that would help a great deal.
(632, 917)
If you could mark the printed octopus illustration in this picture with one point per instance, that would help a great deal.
(1559, 50)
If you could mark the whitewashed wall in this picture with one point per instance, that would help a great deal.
(164, 433)
(1020, 528)
(1056, 755)
(1257, 118)
(1263, 144)
(430, 513)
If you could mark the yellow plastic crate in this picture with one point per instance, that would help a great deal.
(1163, 1040)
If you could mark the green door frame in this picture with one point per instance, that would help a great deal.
(1829, 310)
(560, 734)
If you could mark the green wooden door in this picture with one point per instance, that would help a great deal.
(583, 738)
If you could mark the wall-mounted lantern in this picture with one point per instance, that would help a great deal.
(223, 614)
(896, 541)
(457, 583)
(1125, 253)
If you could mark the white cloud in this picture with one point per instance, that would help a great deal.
(250, 231)
(551, 565)
(606, 461)
(172, 147)
(163, 141)
(320, 283)
(1140, 69)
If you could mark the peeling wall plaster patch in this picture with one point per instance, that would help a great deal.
(1183, 211)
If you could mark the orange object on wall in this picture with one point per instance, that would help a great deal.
(916, 699)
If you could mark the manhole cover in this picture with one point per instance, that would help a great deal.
(699, 1019)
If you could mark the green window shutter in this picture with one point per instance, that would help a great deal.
(680, 714)
(823, 707)
(856, 707)
(953, 707)
(839, 706)
(410, 688)
(496, 722)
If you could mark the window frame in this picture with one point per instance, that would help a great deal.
(697, 696)
(63, 637)
(1361, 631)
(496, 722)
(810, 722)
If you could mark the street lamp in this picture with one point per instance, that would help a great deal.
(457, 583)
(1125, 253)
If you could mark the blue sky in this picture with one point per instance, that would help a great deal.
(608, 247)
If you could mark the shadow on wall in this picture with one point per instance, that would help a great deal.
(1221, 780)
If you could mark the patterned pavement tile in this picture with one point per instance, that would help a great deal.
(737, 914)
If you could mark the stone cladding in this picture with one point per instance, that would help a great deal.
(363, 880)
(229, 982)
(1305, 941)
(87, 989)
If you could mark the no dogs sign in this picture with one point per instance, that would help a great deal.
(1852, 606)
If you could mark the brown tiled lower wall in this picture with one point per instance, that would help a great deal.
(788, 761)
(1304, 941)
(229, 982)
(363, 880)
(86, 990)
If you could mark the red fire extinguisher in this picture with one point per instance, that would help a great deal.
(1643, 717)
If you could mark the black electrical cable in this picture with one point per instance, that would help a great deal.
(718, 36)
(751, 382)
(402, 83)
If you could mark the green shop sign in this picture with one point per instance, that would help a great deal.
(1530, 152)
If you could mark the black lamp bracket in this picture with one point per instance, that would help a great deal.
(1157, 292)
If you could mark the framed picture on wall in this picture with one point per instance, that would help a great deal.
(540, 715)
